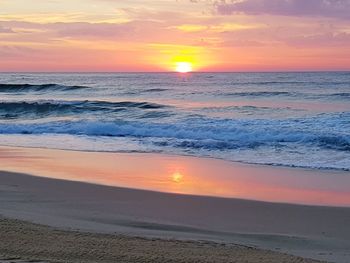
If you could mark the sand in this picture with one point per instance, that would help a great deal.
(105, 213)
(35, 242)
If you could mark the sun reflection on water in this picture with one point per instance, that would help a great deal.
(177, 177)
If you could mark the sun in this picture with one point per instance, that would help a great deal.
(183, 67)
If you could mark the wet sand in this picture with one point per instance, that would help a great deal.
(184, 175)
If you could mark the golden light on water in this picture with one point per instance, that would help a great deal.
(177, 177)
(183, 67)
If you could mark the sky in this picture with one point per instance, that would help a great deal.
(156, 35)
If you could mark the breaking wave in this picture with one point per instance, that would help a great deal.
(24, 108)
(199, 134)
(41, 87)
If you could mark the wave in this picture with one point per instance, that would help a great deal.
(145, 91)
(206, 134)
(341, 143)
(260, 94)
(22, 109)
(294, 82)
(155, 90)
(339, 95)
(39, 87)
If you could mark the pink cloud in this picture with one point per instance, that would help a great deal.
(5, 30)
(323, 8)
(319, 40)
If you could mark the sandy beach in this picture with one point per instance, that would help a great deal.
(102, 214)
(63, 246)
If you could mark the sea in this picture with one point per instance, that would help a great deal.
(280, 119)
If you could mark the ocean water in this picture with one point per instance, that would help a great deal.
(286, 119)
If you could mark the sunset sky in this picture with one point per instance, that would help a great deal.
(155, 35)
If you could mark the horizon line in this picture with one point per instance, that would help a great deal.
(167, 72)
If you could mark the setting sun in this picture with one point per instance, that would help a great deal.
(183, 67)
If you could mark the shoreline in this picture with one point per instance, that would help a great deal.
(306, 231)
(187, 175)
(242, 163)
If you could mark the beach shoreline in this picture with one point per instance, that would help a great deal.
(186, 175)
(307, 231)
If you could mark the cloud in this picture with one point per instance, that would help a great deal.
(242, 43)
(15, 52)
(102, 36)
(5, 30)
(319, 8)
(320, 40)
(133, 30)
(95, 30)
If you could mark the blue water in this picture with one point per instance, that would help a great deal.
(287, 119)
